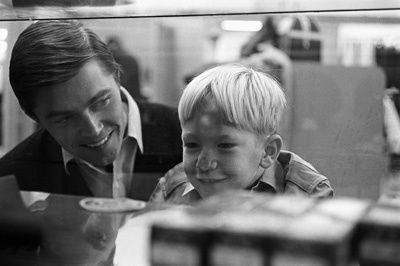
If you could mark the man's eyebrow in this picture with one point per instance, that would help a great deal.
(53, 114)
(100, 94)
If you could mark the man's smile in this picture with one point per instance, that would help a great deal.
(99, 143)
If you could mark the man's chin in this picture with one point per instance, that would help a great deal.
(104, 163)
(100, 163)
(100, 159)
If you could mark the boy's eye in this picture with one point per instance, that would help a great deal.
(191, 145)
(227, 145)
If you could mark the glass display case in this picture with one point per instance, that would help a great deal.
(340, 54)
(342, 81)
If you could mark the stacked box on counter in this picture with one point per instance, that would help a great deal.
(260, 230)
(186, 240)
(182, 240)
(325, 235)
(291, 231)
(249, 235)
(222, 227)
(379, 236)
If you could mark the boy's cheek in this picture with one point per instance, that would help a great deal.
(189, 164)
(189, 159)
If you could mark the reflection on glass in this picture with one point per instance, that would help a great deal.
(335, 116)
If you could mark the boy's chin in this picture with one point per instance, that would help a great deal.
(208, 194)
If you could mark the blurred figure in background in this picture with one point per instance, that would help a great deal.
(130, 74)
(261, 52)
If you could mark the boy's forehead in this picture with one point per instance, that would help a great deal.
(207, 111)
(206, 107)
(208, 121)
(204, 119)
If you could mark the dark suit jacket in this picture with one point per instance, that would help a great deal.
(38, 165)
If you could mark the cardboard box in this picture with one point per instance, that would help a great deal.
(378, 234)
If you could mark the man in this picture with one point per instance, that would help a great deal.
(92, 134)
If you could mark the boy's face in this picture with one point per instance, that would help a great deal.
(218, 157)
(85, 114)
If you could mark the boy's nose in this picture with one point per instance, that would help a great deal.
(205, 164)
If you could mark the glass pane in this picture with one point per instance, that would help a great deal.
(48, 9)
(341, 69)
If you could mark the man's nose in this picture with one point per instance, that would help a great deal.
(91, 125)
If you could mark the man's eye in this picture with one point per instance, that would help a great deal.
(62, 121)
(102, 103)
(226, 145)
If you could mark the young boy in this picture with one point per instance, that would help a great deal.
(229, 116)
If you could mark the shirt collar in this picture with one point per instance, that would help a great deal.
(273, 176)
(134, 129)
(189, 187)
(134, 121)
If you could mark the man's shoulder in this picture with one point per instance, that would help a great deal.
(36, 145)
(159, 109)
(161, 128)
(36, 162)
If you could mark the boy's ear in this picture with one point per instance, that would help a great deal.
(272, 148)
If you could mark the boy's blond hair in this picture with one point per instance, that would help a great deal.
(246, 98)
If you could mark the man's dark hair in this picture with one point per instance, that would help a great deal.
(52, 52)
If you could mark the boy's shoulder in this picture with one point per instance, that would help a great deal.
(302, 174)
(175, 178)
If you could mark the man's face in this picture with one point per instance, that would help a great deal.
(218, 157)
(85, 115)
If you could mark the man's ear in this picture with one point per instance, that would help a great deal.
(272, 148)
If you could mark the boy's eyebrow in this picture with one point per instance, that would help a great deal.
(187, 134)
(91, 101)
(225, 136)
